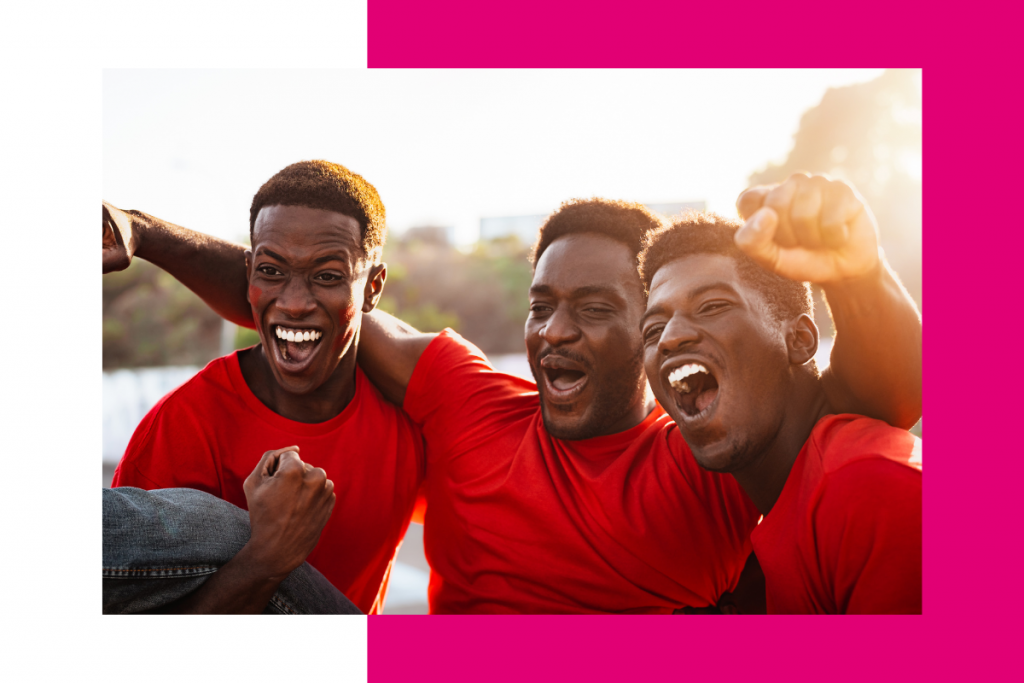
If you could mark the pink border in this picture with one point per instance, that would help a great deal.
(970, 628)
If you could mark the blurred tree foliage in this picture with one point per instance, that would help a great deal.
(870, 135)
(151, 319)
(482, 293)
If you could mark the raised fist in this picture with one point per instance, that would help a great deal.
(289, 503)
(809, 228)
(119, 239)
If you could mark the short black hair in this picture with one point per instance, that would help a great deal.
(708, 233)
(626, 222)
(323, 185)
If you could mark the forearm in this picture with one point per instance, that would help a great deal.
(875, 366)
(241, 586)
(388, 352)
(212, 268)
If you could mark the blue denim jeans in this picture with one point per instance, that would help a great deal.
(159, 546)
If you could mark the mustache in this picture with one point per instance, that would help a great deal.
(563, 353)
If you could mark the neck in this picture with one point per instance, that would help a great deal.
(765, 477)
(323, 403)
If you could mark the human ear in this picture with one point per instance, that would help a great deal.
(801, 339)
(248, 271)
(374, 286)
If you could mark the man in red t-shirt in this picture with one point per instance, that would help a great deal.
(317, 230)
(729, 350)
(577, 494)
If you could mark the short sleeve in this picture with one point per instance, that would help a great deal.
(867, 526)
(169, 450)
(460, 399)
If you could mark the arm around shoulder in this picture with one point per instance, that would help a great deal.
(389, 350)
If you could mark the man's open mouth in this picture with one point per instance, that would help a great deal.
(694, 388)
(564, 379)
(296, 345)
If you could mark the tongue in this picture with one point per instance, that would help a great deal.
(567, 380)
(299, 351)
(705, 398)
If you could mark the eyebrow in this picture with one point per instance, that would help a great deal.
(588, 290)
(272, 254)
(320, 259)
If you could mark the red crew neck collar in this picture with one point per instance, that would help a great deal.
(612, 444)
(240, 386)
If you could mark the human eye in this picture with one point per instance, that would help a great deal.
(268, 270)
(538, 309)
(715, 306)
(652, 333)
(329, 277)
(597, 309)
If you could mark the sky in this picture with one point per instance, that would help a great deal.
(448, 147)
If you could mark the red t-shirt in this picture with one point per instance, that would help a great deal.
(209, 433)
(845, 534)
(519, 521)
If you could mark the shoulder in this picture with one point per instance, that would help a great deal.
(840, 441)
(201, 396)
(871, 472)
(452, 368)
(449, 347)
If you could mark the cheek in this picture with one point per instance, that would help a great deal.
(254, 296)
(345, 316)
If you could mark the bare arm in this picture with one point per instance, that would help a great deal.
(817, 230)
(388, 352)
(239, 587)
(212, 268)
(875, 367)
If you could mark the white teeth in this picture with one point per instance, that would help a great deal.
(297, 335)
(685, 371)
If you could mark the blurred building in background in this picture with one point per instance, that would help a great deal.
(525, 228)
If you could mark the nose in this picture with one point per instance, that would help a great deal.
(678, 333)
(560, 328)
(296, 300)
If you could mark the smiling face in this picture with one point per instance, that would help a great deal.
(717, 359)
(582, 337)
(309, 283)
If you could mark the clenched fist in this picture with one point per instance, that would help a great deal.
(809, 229)
(289, 503)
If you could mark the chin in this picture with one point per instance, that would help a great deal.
(725, 455)
(296, 385)
(567, 426)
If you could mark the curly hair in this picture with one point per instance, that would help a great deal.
(324, 185)
(708, 233)
(626, 222)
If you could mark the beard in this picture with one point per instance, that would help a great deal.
(614, 396)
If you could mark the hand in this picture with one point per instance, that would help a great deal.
(809, 229)
(119, 238)
(289, 503)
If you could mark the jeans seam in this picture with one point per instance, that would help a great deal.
(282, 605)
(198, 570)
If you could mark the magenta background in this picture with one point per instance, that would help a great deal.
(971, 627)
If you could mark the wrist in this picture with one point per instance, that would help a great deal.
(261, 563)
(871, 280)
(142, 227)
